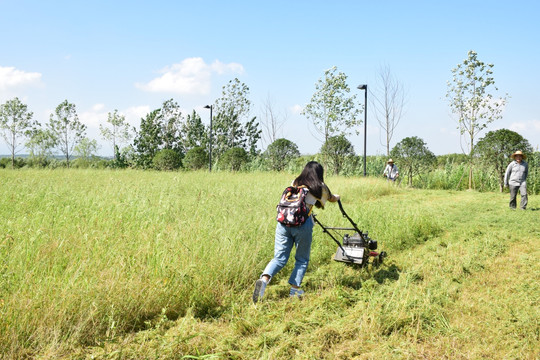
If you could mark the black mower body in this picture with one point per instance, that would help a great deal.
(355, 249)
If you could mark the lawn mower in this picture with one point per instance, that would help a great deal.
(357, 248)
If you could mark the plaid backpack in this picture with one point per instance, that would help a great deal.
(292, 209)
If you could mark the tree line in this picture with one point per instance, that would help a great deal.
(167, 139)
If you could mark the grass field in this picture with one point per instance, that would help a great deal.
(99, 264)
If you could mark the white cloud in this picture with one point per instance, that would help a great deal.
(98, 114)
(98, 107)
(94, 117)
(11, 77)
(222, 68)
(191, 76)
(134, 114)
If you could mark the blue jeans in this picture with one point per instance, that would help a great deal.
(286, 237)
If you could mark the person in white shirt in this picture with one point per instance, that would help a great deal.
(516, 179)
(391, 171)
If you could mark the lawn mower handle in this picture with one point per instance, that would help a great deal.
(350, 220)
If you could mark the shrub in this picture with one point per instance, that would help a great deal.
(280, 153)
(196, 158)
(37, 162)
(6, 163)
(167, 159)
(233, 159)
(336, 150)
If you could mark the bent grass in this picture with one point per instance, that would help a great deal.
(132, 264)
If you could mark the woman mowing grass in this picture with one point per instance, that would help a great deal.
(300, 236)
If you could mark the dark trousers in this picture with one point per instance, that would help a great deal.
(513, 194)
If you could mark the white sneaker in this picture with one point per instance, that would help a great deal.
(258, 293)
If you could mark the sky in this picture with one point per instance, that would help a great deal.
(134, 55)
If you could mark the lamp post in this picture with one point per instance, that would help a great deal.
(210, 140)
(364, 87)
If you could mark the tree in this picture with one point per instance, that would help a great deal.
(170, 120)
(331, 110)
(160, 129)
(388, 102)
(229, 130)
(86, 148)
(252, 136)
(15, 122)
(413, 157)
(40, 144)
(336, 150)
(496, 148)
(280, 153)
(194, 132)
(65, 126)
(227, 134)
(147, 140)
(271, 121)
(118, 133)
(234, 100)
(471, 102)
(231, 108)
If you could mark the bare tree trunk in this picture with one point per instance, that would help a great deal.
(13, 151)
(388, 101)
(271, 121)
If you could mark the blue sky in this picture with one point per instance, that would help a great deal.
(133, 55)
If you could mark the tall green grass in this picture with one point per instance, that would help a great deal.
(136, 264)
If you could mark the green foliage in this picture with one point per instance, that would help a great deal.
(335, 151)
(471, 101)
(194, 133)
(148, 140)
(280, 153)
(233, 159)
(331, 109)
(234, 100)
(496, 147)
(41, 143)
(86, 148)
(160, 129)
(469, 97)
(227, 134)
(66, 128)
(413, 157)
(170, 121)
(533, 179)
(8, 163)
(15, 122)
(196, 158)
(443, 160)
(230, 126)
(167, 159)
(124, 158)
(252, 133)
(39, 162)
(118, 132)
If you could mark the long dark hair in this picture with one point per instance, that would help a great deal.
(313, 177)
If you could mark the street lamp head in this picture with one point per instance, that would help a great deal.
(208, 107)
(362, 87)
